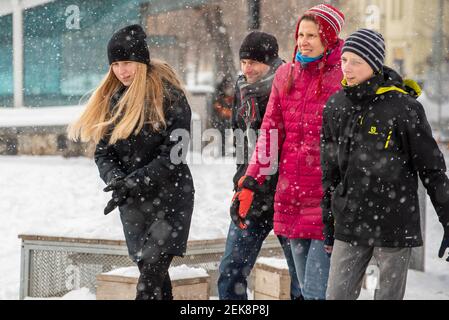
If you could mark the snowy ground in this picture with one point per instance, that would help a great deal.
(63, 197)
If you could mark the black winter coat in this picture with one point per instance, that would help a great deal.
(375, 142)
(248, 110)
(157, 221)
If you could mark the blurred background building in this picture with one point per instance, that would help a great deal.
(53, 53)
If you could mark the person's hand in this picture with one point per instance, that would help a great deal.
(119, 194)
(444, 244)
(329, 244)
(328, 249)
(114, 184)
(118, 198)
(243, 200)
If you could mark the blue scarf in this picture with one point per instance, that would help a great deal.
(306, 60)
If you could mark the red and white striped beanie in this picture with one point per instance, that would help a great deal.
(330, 21)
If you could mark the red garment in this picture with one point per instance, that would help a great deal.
(330, 21)
(298, 118)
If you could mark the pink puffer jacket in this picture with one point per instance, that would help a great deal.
(297, 116)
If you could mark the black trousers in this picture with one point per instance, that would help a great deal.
(154, 281)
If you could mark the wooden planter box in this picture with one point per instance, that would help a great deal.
(118, 287)
(271, 283)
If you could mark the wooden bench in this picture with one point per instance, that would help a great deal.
(188, 283)
(271, 279)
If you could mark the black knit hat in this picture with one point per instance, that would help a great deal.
(259, 46)
(128, 44)
(369, 45)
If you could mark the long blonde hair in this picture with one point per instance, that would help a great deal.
(142, 103)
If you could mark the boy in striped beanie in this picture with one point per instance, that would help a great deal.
(371, 158)
(369, 45)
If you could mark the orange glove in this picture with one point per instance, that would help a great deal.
(242, 201)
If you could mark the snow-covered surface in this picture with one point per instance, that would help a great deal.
(179, 272)
(200, 88)
(432, 109)
(201, 82)
(277, 263)
(130, 272)
(185, 272)
(51, 116)
(79, 294)
(19, 117)
(16, 117)
(63, 197)
(55, 196)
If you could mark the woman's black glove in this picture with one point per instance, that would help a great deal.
(131, 186)
(444, 244)
(119, 194)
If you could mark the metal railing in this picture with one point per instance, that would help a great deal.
(54, 266)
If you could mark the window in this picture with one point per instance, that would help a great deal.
(397, 9)
(399, 60)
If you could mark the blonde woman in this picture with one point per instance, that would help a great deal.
(131, 117)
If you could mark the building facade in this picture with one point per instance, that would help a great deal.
(59, 54)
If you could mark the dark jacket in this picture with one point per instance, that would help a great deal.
(375, 142)
(250, 103)
(157, 220)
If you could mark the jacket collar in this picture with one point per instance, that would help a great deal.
(384, 81)
(333, 58)
(363, 90)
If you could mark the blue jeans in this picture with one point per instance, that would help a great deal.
(312, 267)
(241, 251)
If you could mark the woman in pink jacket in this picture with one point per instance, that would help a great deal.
(294, 112)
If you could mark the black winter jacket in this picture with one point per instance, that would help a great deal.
(250, 103)
(375, 142)
(158, 220)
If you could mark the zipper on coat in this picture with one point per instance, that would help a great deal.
(388, 139)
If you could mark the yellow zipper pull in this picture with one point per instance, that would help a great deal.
(388, 139)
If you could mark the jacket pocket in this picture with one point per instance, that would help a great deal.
(339, 201)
